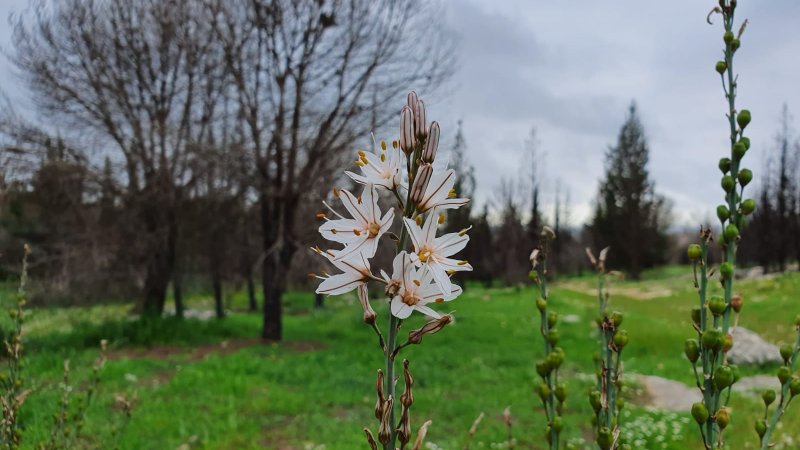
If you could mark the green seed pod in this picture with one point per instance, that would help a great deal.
(768, 396)
(784, 374)
(543, 391)
(721, 67)
(621, 339)
(735, 44)
(731, 232)
(557, 424)
(594, 400)
(746, 141)
(552, 319)
(604, 438)
(555, 358)
(761, 427)
(738, 151)
(786, 352)
(728, 37)
(552, 337)
(728, 183)
(700, 413)
(737, 375)
(727, 343)
(692, 350)
(541, 304)
(616, 318)
(717, 305)
(712, 339)
(743, 118)
(794, 386)
(725, 165)
(694, 252)
(542, 368)
(726, 270)
(745, 177)
(723, 377)
(723, 213)
(561, 392)
(722, 418)
(696, 316)
(748, 206)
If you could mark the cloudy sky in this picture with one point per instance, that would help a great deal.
(571, 68)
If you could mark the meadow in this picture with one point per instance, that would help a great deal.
(211, 384)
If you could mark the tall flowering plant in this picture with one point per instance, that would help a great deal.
(419, 277)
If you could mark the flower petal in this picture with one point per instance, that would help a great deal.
(414, 232)
(440, 276)
(355, 209)
(341, 230)
(340, 283)
(427, 311)
(450, 244)
(400, 309)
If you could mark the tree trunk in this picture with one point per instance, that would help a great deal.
(161, 233)
(251, 292)
(177, 292)
(217, 287)
(273, 309)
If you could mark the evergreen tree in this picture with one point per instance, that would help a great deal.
(630, 217)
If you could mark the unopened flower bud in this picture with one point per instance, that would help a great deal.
(407, 140)
(738, 151)
(728, 37)
(543, 369)
(408, 396)
(768, 396)
(794, 386)
(552, 337)
(424, 174)
(784, 374)
(748, 206)
(712, 339)
(557, 424)
(743, 118)
(616, 318)
(561, 392)
(411, 100)
(385, 430)
(728, 183)
(543, 390)
(717, 305)
(726, 270)
(694, 252)
(735, 44)
(736, 303)
(594, 400)
(761, 427)
(723, 213)
(420, 127)
(745, 176)
(721, 67)
(746, 141)
(541, 304)
(692, 350)
(620, 339)
(787, 351)
(725, 165)
(552, 319)
(432, 327)
(722, 418)
(431, 144)
(700, 413)
(363, 298)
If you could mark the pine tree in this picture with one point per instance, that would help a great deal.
(630, 217)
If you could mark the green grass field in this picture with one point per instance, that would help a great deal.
(213, 385)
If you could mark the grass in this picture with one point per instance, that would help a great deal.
(211, 385)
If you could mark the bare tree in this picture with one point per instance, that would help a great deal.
(309, 77)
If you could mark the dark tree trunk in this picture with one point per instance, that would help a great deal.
(162, 228)
(177, 292)
(251, 292)
(216, 283)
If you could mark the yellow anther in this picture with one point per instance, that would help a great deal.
(383, 157)
(364, 160)
(462, 263)
(394, 145)
(359, 199)
(360, 164)
(321, 215)
(383, 145)
(439, 300)
(312, 275)
(333, 230)
(450, 272)
(424, 254)
(419, 220)
(463, 232)
(416, 282)
(356, 232)
(452, 193)
(442, 217)
(373, 229)
(361, 153)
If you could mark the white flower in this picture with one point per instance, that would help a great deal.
(434, 252)
(362, 232)
(382, 169)
(440, 193)
(415, 288)
(355, 273)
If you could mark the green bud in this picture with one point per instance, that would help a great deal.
(541, 304)
(616, 318)
(739, 150)
(696, 316)
(561, 392)
(748, 206)
(621, 339)
(725, 165)
(594, 400)
(552, 319)
(722, 418)
(761, 427)
(726, 270)
(694, 252)
(717, 305)
(743, 118)
(728, 183)
(784, 374)
(555, 358)
(723, 213)
(745, 177)
(604, 438)
(768, 396)
(557, 424)
(552, 337)
(728, 37)
(794, 386)
(542, 368)
(786, 352)
(721, 67)
(692, 350)
(700, 413)
(543, 391)
(746, 141)
(737, 375)
(735, 44)
(723, 377)
(727, 343)
(712, 339)
(731, 232)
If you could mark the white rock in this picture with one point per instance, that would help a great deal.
(751, 349)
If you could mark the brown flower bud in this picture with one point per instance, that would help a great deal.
(404, 430)
(420, 128)
(737, 303)
(407, 141)
(385, 430)
(381, 397)
(363, 297)
(370, 439)
(424, 174)
(432, 143)
(421, 433)
(408, 396)
(415, 336)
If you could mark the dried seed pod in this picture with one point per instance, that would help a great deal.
(370, 439)
(408, 396)
(381, 397)
(385, 430)
(432, 327)
(404, 430)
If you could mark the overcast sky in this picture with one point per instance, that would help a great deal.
(571, 68)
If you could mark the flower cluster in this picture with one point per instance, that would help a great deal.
(420, 273)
